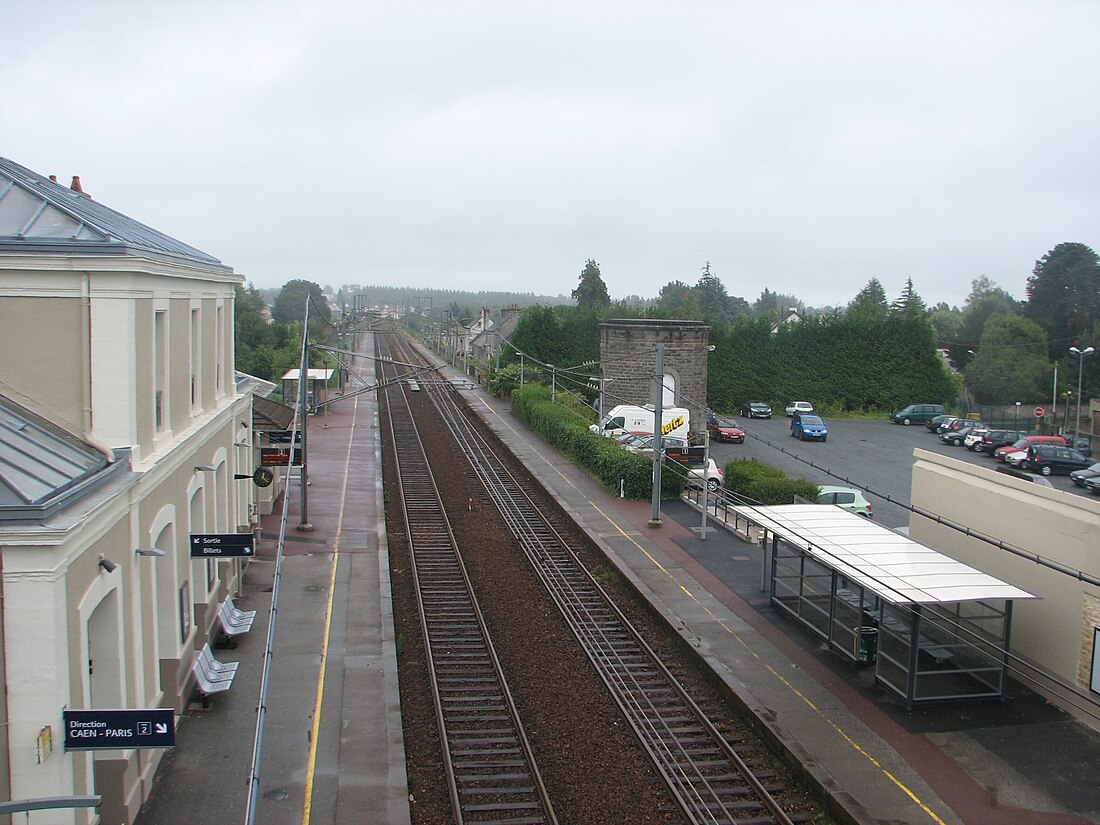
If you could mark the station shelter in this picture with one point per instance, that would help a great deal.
(935, 629)
(316, 386)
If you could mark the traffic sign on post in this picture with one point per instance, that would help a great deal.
(1039, 412)
(96, 729)
(222, 545)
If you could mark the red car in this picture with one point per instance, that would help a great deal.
(1026, 442)
(726, 429)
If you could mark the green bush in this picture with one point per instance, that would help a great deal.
(566, 429)
(782, 490)
(766, 484)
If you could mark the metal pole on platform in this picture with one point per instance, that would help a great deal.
(706, 485)
(658, 447)
(303, 401)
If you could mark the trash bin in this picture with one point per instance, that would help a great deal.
(866, 644)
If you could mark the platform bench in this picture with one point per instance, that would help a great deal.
(212, 676)
(233, 625)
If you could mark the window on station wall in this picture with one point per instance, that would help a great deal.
(160, 369)
(196, 360)
(219, 351)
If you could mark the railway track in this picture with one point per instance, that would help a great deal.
(705, 775)
(491, 772)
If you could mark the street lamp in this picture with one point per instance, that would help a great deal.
(1017, 425)
(1080, 353)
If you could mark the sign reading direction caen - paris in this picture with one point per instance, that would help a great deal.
(96, 729)
(222, 545)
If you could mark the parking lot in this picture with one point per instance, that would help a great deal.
(874, 455)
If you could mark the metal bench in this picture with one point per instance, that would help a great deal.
(213, 667)
(236, 612)
(206, 683)
(232, 625)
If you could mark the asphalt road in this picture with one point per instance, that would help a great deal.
(876, 456)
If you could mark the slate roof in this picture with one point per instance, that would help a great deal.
(40, 215)
(43, 469)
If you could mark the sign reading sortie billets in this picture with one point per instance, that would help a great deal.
(97, 729)
(222, 545)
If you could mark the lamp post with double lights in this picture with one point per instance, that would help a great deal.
(1080, 353)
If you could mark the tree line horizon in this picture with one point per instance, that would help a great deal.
(871, 354)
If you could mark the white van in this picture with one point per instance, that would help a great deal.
(628, 418)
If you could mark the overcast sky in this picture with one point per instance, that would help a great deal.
(802, 146)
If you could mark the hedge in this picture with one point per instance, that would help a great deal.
(766, 484)
(567, 432)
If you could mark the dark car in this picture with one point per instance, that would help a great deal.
(920, 413)
(1093, 484)
(756, 409)
(997, 438)
(933, 424)
(955, 437)
(1079, 477)
(1051, 459)
(725, 429)
(1082, 444)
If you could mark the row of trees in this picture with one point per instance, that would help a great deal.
(871, 357)
(872, 353)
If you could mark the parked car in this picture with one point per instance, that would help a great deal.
(1079, 477)
(1025, 442)
(950, 422)
(961, 424)
(1082, 444)
(919, 413)
(714, 475)
(1015, 458)
(810, 427)
(725, 429)
(1040, 480)
(798, 407)
(998, 438)
(846, 497)
(933, 424)
(1050, 459)
(644, 444)
(973, 438)
(756, 409)
(955, 437)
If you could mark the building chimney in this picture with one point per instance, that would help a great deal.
(76, 187)
(53, 178)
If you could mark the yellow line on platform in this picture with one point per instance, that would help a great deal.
(314, 735)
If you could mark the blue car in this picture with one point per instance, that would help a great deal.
(808, 427)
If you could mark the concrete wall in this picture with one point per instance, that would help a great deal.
(1054, 631)
(628, 351)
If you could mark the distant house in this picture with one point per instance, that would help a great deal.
(792, 317)
(487, 344)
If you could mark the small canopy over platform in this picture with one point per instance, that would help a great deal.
(936, 629)
(316, 384)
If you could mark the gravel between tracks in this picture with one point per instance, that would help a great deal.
(589, 758)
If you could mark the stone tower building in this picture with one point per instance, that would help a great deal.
(628, 352)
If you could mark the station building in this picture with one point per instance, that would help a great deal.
(1045, 539)
(122, 432)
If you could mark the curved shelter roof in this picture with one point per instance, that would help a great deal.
(38, 214)
(892, 566)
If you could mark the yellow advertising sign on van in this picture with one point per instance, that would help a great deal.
(678, 421)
